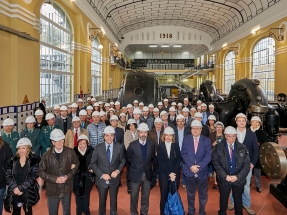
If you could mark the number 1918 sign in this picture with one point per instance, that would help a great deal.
(165, 35)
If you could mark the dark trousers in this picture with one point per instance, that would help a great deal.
(53, 205)
(202, 185)
(237, 191)
(2, 191)
(155, 171)
(16, 209)
(103, 193)
(83, 204)
(145, 190)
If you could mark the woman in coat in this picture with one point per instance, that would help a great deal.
(21, 174)
(261, 138)
(169, 158)
(84, 178)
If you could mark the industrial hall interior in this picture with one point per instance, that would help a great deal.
(136, 107)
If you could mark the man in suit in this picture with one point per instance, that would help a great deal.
(150, 110)
(192, 112)
(204, 113)
(196, 155)
(130, 111)
(160, 106)
(205, 129)
(186, 103)
(74, 112)
(107, 163)
(165, 122)
(80, 106)
(73, 134)
(146, 118)
(139, 156)
(119, 132)
(136, 115)
(57, 110)
(231, 163)
(155, 113)
(249, 139)
(187, 119)
(83, 122)
(165, 105)
(212, 112)
(8, 135)
(64, 120)
(172, 116)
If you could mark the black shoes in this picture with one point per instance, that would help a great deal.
(258, 189)
(129, 190)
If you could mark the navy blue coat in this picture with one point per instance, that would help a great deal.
(119, 136)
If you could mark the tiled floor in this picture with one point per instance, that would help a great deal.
(262, 203)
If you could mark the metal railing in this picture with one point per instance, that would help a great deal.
(110, 95)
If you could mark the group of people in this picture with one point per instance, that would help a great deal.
(78, 146)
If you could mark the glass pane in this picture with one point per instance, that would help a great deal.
(229, 71)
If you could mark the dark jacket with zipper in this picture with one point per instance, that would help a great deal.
(222, 166)
(83, 179)
(261, 138)
(5, 154)
(29, 187)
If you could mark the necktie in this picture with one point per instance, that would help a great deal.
(165, 125)
(185, 120)
(30, 131)
(109, 154)
(204, 119)
(9, 136)
(83, 125)
(76, 138)
(195, 144)
(230, 151)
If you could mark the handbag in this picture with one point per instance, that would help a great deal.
(173, 205)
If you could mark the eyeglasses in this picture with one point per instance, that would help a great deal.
(231, 136)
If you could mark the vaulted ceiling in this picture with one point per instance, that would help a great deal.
(215, 17)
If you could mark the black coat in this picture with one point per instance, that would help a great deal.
(261, 138)
(119, 136)
(5, 154)
(83, 179)
(29, 187)
(205, 131)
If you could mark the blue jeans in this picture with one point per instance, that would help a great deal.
(2, 191)
(246, 199)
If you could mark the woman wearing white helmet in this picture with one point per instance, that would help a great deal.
(169, 158)
(40, 121)
(210, 123)
(261, 138)
(123, 121)
(21, 174)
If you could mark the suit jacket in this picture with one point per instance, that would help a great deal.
(205, 131)
(138, 166)
(166, 108)
(168, 124)
(185, 132)
(189, 120)
(69, 140)
(59, 121)
(119, 136)
(187, 106)
(70, 114)
(153, 136)
(201, 158)
(213, 113)
(222, 167)
(174, 120)
(100, 164)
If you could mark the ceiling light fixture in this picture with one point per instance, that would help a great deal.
(224, 45)
(276, 33)
(164, 46)
(100, 47)
(255, 29)
(152, 46)
(177, 46)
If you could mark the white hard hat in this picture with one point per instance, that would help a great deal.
(212, 117)
(63, 108)
(198, 114)
(230, 130)
(131, 121)
(198, 101)
(93, 99)
(102, 113)
(112, 109)
(123, 114)
(129, 106)
(211, 106)
(145, 108)
(156, 110)
(69, 106)
(96, 104)
(192, 109)
(124, 107)
(39, 112)
(45, 99)
(150, 106)
(143, 127)
(137, 111)
(109, 130)
(114, 117)
(49, 116)
(117, 103)
(76, 119)
(195, 123)
(186, 99)
(74, 105)
(8, 122)
(211, 94)
(255, 118)
(100, 102)
(160, 103)
(141, 103)
(168, 130)
(107, 105)
(219, 123)
(24, 142)
(135, 101)
(185, 109)
(179, 116)
(88, 108)
(201, 93)
(198, 107)
(112, 103)
(80, 100)
(171, 109)
(57, 135)
(56, 107)
(158, 120)
(89, 98)
(163, 113)
(165, 100)
(30, 119)
(83, 137)
(96, 113)
(173, 103)
(240, 115)
(179, 104)
(203, 105)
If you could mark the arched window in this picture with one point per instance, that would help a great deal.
(229, 71)
(96, 69)
(56, 56)
(264, 65)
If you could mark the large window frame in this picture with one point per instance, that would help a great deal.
(96, 69)
(229, 71)
(56, 56)
(263, 65)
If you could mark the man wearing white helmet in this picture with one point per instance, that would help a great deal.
(186, 103)
(146, 118)
(172, 116)
(33, 134)
(130, 111)
(57, 168)
(139, 155)
(165, 105)
(196, 155)
(155, 113)
(57, 110)
(179, 108)
(72, 135)
(112, 105)
(8, 135)
(141, 105)
(80, 106)
(192, 112)
(45, 141)
(136, 104)
(64, 120)
(42, 105)
(247, 138)
(118, 110)
(83, 117)
(119, 132)
(211, 98)
(231, 162)
(93, 101)
(205, 129)
(164, 118)
(136, 115)
(150, 109)
(187, 119)
(160, 106)
(89, 102)
(198, 103)
(107, 163)
(204, 113)
(122, 121)
(212, 112)
(40, 120)
(96, 130)
(74, 112)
